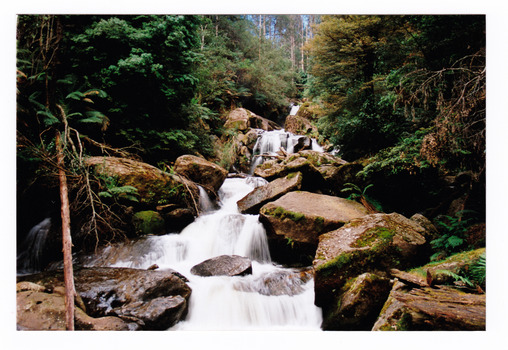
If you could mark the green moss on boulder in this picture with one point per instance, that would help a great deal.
(148, 222)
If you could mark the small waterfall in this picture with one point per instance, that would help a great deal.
(225, 303)
(294, 109)
(30, 259)
(205, 203)
(269, 142)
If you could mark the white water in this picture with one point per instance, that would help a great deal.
(225, 303)
(269, 143)
(294, 109)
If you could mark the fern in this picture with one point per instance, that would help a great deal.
(457, 277)
(129, 193)
(479, 270)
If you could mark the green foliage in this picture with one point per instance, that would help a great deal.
(453, 234)
(356, 191)
(403, 157)
(115, 192)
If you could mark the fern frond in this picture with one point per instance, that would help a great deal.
(457, 277)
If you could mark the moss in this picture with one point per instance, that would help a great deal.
(382, 235)
(468, 258)
(282, 214)
(293, 157)
(320, 223)
(148, 222)
(291, 175)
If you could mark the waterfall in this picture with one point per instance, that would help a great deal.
(269, 142)
(294, 109)
(225, 303)
(30, 258)
(205, 203)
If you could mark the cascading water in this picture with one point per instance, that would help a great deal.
(269, 142)
(30, 259)
(227, 303)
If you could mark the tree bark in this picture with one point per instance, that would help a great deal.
(70, 291)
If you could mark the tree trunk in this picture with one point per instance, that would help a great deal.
(70, 291)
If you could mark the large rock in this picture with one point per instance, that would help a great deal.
(303, 216)
(374, 243)
(242, 119)
(150, 299)
(442, 309)
(41, 310)
(209, 175)
(224, 265)
(154, 185)
(359, 303)
(252, 202)
(299, 125)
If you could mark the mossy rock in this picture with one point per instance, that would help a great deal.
(374, 243)
(358, 303)
(155, 187)
(148, 222)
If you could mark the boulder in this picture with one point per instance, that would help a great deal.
(150, 299)
(359, 303)
(176, 219)
(302, 216)
(299, 125)
(374, 243)
(242, 119)
(252, 202)
(154, 185)
(148, 222)
(224, 265)
(437, 309)
(283, 282)
(238, 119)
(40, 311)
(209, 175)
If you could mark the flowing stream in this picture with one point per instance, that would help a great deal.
(273, 297)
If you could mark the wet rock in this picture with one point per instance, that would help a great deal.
(283, 282)
(374, 243)
(209, 175)
(150, 299)
(359, 303)
(176, 219)
(252, 202)
(224, 265)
